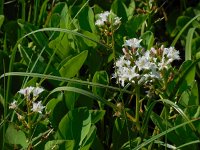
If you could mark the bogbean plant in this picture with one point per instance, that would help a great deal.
(144, 68)
(138, 66)
(143, 75)
(29, 111)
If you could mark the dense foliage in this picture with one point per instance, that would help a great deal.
(99, 74)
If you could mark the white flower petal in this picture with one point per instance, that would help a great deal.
(26, 91)
(13, 105)
(133, 43)
(37, 107)
(37, 91)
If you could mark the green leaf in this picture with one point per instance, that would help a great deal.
(42, 15)
(147, 40)
(65, 18)
(84, 20)
(89, 139)
(57, 109)
(188, 46)
(102, 78)
(1, 20)
(96, 115)
(119, 133)
(97, 144)
(62, 45)
(70, 144)
(75, 125)
(183, 29)
(135, 23)
(190, 97)
(14, 136)
(120, 9)
(26, 53)
(187, 77)
(60, 145)
(91, 20)
(71, 97)
(40, 39)
(182, 21)
(93, 36)
(131, 9)
(194, 94)
(55, 20)
(71, 68)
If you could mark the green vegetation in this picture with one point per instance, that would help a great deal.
(99, 74)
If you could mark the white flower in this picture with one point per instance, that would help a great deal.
(131, 74)
(163, 64)
(117, 21)
(37, 91)
(124, 71)
(154, 73)
(13, 105)
(103, 17)
(122, 62)
(99, 22)
(143, 63)
(133, 43)
(26, 91)
(173, 54)
(37, 107)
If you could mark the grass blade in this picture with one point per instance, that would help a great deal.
(179, 110)
(189, 143)
(83, 92)
(162, 134)
(183, 29)
(188, 46)
(51, 77)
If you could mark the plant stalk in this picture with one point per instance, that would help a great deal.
(28, 104)
(137, 109)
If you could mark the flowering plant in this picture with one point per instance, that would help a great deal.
(140, 66)
(27, 120)
(107, 22)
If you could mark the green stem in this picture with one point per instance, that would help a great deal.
(137, 109)
(36, 5)
(28, 103)
(143, 27)
(23, 3)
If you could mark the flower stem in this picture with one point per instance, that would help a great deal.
(28, 102)
(137, 109)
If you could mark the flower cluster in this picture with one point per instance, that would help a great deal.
(141, 67)
(107, 18)
(107, 23)
(31, 94)
(29, 112)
